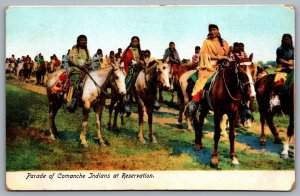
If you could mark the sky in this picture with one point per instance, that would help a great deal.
(53, 30)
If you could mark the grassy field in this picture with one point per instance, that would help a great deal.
(28, 148)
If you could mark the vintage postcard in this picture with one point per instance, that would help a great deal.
(150, 97)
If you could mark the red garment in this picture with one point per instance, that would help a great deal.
(127, 58)
(57, 63)
(27, 59)
(198, 96)
(175, 69)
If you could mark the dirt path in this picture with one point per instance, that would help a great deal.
(164, 121)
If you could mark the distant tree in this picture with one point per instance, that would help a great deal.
(272, 63)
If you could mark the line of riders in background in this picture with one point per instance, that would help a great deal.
(213, 49)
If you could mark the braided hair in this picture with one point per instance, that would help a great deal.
(285, 45)
(138, 46)
(85, 47)
(210, 26)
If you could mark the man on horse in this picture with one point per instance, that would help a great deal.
(284, 70)
(79, 62)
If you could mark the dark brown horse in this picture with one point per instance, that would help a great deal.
(231, 87)
(145, 92)
(264, 88)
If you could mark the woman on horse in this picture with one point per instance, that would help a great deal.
(79, 62)
(285, 65)
(284, 59)
(213, 49)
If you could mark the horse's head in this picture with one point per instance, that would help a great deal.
(246, 66)
(163, 70)
(118, 76)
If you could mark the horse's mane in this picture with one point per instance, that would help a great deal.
(151, 67)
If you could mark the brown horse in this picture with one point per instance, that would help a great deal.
(145, 92)
(93, 95)
(231, 87)
(264, 88)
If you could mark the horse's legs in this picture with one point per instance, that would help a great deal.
(262, 138)
(290, 134)
(85, 111)
(110, 110)
(117, 109)
(141, 120)
(54, 105)
(269, 118)
(150, 120)
(181, 108)
(199, 129)
(160, 99)
(98, 108)
(214, 160)
(232, 123)
(223, 125)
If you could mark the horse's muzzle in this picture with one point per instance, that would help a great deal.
(166, 88)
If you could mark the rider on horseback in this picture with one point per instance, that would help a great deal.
(174, 61)
(213, 49)
(79, 62)
(285, 65)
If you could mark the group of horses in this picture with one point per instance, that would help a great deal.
(24, 70)
(234, 85)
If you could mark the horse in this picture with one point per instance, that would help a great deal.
(145, 92)
(264, 88)
(93, 95)
(187, 84)
(231, 87)
(184, 95)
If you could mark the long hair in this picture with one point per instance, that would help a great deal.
(138, 46)
(85, 47)
(289, 37)
(210, 26)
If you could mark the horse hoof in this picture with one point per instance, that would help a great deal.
(197, 147)
(143, 141)
(180, 126)
(85, 145)
(277, 141)
(102, 144)
(235, 161)
(154, 141)
(284, 156)
(214, 165)
(263, 143)
(51, 137)
(108, 127)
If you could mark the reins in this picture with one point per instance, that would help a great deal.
(96, 84)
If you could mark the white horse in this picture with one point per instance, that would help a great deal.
(185, 98)
(93, 95)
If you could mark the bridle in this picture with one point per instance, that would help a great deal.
(240, 84)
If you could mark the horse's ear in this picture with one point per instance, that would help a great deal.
(251, 57)
(152, 63)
